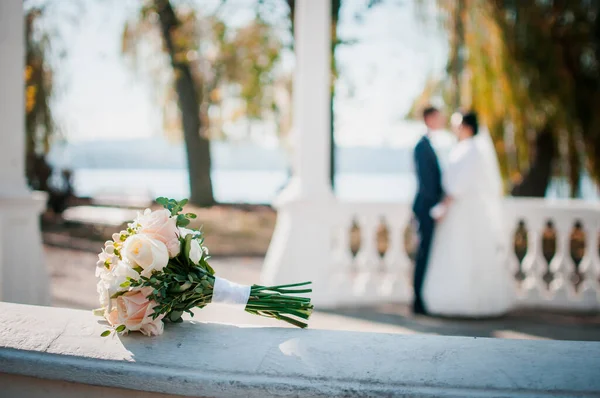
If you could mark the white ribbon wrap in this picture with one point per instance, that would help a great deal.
(230, 294)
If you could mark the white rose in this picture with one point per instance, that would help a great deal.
(150, 254)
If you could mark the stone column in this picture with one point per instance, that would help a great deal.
(301, 243)
(23, 276)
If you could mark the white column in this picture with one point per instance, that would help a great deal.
(301, 245)
(23, 277)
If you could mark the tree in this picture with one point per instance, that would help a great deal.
(39, 123)
(207, 60)
(531, 70)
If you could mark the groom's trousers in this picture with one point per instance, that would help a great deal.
(426, 229)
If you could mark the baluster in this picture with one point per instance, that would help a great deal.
(562, 290)
(368, 260)
(534, 264)
(512, 261)
(590, 268)
(397, 265)
(343, 261)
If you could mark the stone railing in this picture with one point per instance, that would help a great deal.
(555, 261)
(53, 352)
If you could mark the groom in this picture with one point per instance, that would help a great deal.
(429, 193)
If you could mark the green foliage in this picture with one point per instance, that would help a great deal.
(39, 122)
(227, 63)
(175, 207)
(526, 67)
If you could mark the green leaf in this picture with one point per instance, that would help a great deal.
(183, 202)
(125, 284)
(120, 328)
(209, 268)
(175, 316)
(162, 201)
(105, 333)
(117, 294)
(182, 221)
(190, 215)
(187, 247)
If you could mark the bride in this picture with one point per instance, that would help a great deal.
(467, 274)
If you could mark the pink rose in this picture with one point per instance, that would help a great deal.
(161, 226)
(134, 310)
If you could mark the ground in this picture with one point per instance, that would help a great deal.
(74, 286)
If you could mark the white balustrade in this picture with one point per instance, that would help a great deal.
(368, 277)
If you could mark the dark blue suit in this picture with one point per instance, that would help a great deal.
(429, 193)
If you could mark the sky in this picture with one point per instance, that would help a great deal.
(102, 97)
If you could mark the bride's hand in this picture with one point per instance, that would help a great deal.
(439, 211)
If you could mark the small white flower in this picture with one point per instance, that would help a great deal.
(110, 281)
(183, 232)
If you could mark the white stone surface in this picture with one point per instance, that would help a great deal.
(12, 109)
(214, 360)
(23, 277)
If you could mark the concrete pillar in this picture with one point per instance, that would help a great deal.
(300, 248)
(23, 276)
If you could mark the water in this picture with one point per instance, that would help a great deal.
(243, 172)
(235, 186)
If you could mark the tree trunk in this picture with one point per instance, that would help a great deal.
(197, 146)
(538, 177)
(457, 61)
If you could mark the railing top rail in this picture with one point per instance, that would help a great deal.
(215, 360)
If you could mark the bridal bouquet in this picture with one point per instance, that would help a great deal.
(157, 269)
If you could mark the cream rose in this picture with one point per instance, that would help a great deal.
(161, 226)
(134, 310)
(146, 252)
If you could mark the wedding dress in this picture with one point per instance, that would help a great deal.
(468, 274)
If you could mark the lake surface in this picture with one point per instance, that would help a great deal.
(255, 187)
(260, 187)
(243, 172)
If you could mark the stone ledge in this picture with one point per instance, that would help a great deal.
(215, 360)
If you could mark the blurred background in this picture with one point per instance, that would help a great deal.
(129, 100)
(103, 107)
